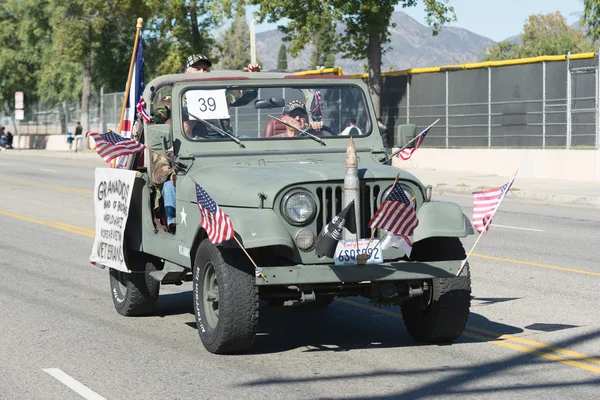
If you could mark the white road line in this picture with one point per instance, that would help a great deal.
(47, 170)
(71, 383)
(519, 228)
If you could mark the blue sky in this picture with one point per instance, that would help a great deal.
(497, 19)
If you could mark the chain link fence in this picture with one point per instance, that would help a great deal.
(549, 102)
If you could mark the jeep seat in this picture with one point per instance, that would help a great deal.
(274, 127)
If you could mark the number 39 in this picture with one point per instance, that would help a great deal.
(207, 104)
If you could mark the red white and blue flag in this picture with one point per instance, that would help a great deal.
(141, 108)
(485, 205)
(214, 221)
(406, 153)
(136, 90)
(111, 145)
(398, 217)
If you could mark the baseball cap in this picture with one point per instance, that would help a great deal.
(195, 58)
(293, 105)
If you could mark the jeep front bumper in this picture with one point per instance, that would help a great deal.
(389, 271)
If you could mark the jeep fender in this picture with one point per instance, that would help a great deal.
(441, 218)
(258, 227)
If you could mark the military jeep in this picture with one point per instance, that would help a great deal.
(280, 188)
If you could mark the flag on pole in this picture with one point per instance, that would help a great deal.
(398, 217)
(214, 221)
(485, 205)
(135, 94)
(407, 153)
(332, 232)
(141, 108)
(111, 145)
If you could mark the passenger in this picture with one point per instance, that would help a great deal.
(163, 174)
(351, 129)
(294, 113)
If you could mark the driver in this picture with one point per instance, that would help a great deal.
(294, 113)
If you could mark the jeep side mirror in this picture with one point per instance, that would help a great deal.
(404, 134)
(273, 102)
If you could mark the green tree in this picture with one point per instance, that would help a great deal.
(591, 18)
(324, 42)
(22, 42)
(82, 31)
(282, 63)
(543, 35)
(235, 44)
(367, 24)
(181, 28)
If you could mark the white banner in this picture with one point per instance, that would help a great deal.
(112, 196)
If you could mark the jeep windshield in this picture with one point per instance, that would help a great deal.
(250, 113)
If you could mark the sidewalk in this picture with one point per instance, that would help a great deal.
(546, 191)
(543, 191)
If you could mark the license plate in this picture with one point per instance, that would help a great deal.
(346, 252)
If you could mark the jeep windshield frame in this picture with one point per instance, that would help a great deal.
(335, 106)
(301, 148)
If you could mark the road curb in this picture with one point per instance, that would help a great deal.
(538, 197)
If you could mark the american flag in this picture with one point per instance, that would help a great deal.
(135, 92)
(141, 108)
(397, 216)
(111, 145)
(406, 153)
(214, 221)
(485, 204)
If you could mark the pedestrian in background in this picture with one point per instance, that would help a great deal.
(78, 136)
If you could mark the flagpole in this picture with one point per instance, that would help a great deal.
(128, 85)
(488, 222)
(387, 158)
(259, 270)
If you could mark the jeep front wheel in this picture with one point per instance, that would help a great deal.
(225, 299)
(441, 314)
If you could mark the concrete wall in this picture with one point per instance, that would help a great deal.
(576, 165)
(46, 142)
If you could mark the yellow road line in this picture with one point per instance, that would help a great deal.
(57, 187)
(80, 231)
(74, 227)
(533, 343)
(500, 339)
(579, 271)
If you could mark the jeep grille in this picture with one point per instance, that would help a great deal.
(330, 204)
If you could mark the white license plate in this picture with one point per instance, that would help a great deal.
(346, 252)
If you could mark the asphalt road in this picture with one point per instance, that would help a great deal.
(534, 329)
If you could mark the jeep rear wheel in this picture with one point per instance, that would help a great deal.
(135, 293)
(225, 299)
(441, 314)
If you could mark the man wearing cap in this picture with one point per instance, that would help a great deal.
(198, 63)
(294, 113)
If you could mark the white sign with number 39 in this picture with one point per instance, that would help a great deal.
(207, 104)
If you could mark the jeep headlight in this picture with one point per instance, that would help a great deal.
(298, 207)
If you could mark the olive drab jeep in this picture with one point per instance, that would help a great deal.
(281, 177)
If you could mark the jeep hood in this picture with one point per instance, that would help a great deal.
(240, 185)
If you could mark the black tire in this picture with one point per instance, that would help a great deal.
(440, 316)
(135, 293)
(225, 299)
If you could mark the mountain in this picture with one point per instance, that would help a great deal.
(412, 46)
